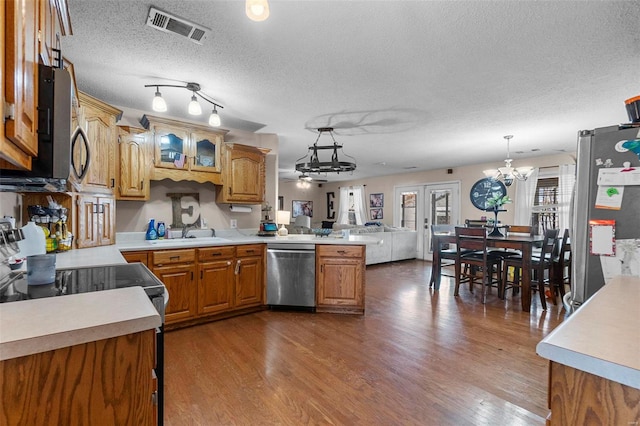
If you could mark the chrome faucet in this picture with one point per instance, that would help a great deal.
(185, 230)
(213, 232)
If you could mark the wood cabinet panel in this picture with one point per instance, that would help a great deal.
(136, 256)
(249, 281)
(179, 280)
(103, 382)
(215, 286)
(340, 275)
(98, 120)
(579, 398)
(216, 253)
(243, 175)
(21, 74)
(132, 165)
(94, 221)
(166, 257)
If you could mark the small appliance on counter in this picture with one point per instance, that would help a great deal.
(268, 229)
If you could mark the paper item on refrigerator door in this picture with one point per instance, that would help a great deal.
(625, 262)
(602, 237)
(619, 176)
(609, 197)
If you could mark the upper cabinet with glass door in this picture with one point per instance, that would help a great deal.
(184, 151)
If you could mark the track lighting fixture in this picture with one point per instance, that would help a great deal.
(257, 10)
(194, 107)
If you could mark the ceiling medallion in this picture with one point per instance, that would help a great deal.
(310, 163)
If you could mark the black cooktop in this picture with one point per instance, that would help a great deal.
(83, 280)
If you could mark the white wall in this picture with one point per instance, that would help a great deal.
(467, 175)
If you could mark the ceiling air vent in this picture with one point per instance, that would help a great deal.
(168, 23)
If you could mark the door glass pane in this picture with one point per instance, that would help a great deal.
(441, 206)
(408, 217)
(170, 147)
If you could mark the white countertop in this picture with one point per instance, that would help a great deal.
(96, 256)
(602, 337)
(132, 241)
(39, 325)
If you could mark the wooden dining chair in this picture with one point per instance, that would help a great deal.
(471, 245)
(542, 267)
(562, 265)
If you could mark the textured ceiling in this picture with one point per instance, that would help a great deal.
(424, 84)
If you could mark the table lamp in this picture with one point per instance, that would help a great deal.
(283, 217)
(302, 222)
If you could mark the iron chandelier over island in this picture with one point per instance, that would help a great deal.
(310, 163)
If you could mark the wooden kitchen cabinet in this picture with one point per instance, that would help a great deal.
(340, 277)
(95, 218)
(93, 165)
(136, 256)
(250, 273)
(243, 175)
(215, 279)
(132, 172)
(105, 382)
(30, 31)
(176, 269)
(198, 146)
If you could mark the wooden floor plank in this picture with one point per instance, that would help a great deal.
(417, 357)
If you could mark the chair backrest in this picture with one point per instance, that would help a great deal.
(565, 247)
(475, 223)
(520, 229)
(471, 239)
(549, 243)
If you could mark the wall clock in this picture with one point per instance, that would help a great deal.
(485, 189)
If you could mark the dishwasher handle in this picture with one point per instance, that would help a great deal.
(290, 251)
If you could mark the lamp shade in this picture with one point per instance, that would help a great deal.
(302, 221)
(283, 217)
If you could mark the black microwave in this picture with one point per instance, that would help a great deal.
(53, 162)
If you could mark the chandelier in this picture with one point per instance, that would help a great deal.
(310, 163)
(193, 107)
(508, 173)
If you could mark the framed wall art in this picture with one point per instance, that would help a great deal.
(376, 200)
(299, 208)
(376, 214)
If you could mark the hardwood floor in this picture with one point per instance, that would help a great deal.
(417, 357)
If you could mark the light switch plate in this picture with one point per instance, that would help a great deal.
(234, 223)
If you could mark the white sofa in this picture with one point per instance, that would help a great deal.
(393, 243)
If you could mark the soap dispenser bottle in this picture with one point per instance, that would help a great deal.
(152, 234)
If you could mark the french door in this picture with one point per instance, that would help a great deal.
(420, 206)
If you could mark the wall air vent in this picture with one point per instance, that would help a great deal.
(166, 22)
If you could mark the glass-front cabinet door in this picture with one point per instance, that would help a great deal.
(205, 151)
(171, 147)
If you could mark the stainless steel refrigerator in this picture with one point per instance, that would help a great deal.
(606, 204)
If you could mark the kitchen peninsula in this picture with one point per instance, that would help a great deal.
(595, 359)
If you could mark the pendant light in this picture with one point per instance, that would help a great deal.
(193, 107)
(257, 10)
(508, 173)
(214, 118)
(310, 163)
(159, 104)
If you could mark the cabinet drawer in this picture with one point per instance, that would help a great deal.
(340, 251)
(215, 253)
(250, 250)
(166, 257)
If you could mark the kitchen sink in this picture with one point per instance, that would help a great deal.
(189, 241)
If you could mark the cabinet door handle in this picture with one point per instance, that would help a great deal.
(321, 268)
(201, 274)
(230, 191)
(113, 183)
(216, 254)
(191, 275)
(237, 271)
(228, 263)
(342, 252)
(141, 184)
(174, 258)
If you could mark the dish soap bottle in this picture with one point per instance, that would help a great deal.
(161, 230)
(152, 234)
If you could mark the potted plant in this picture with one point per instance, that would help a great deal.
(495, 203)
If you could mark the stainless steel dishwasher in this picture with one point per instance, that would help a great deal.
(291, 275)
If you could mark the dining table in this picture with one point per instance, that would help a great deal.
(522, 242)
